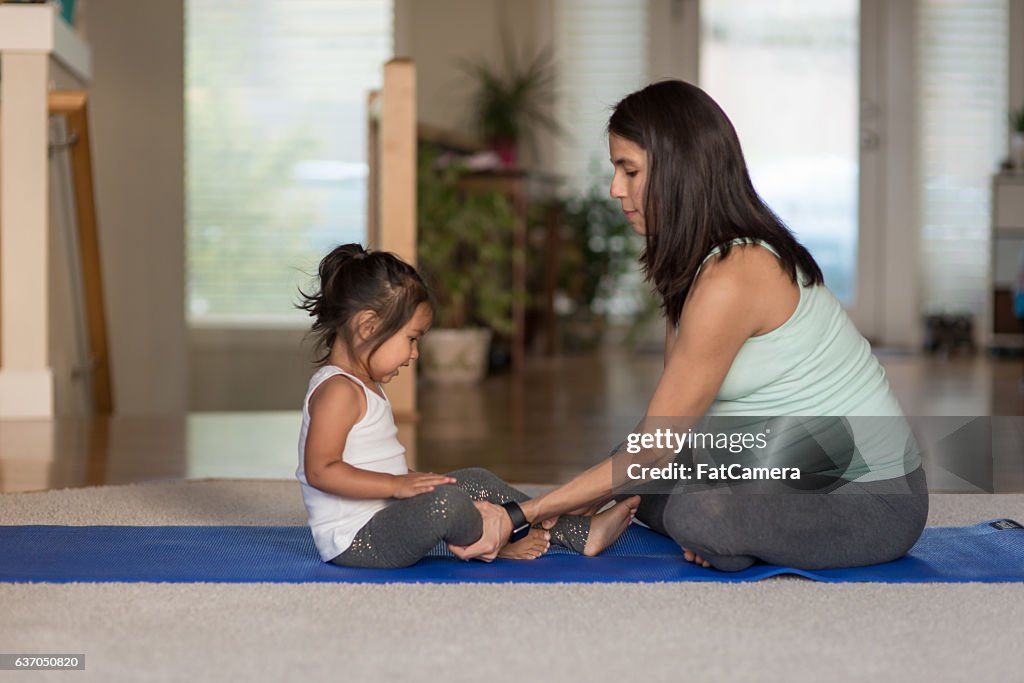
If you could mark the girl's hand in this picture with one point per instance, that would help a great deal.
(415, 483)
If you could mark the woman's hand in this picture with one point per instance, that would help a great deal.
(589, 510)
(586, 511)
(415, 483)
(497, 529)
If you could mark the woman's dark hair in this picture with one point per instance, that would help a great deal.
(698, 194)
(353, 279)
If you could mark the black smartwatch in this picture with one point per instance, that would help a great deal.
(520, 526)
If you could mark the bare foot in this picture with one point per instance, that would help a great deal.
(691, 556)
(606, 527)
(533, 546)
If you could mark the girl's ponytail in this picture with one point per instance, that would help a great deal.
(339, 258)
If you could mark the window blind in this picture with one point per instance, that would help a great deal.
(962, 52)
(275, 158)
(601, 48)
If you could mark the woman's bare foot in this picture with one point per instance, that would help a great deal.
(607, 526)
(691, 556)
(533, 546)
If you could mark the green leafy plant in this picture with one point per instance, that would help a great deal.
(1017, 120)
(597, 249)
(510, 102)
(465, 247)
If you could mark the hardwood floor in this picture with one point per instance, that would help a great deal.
(560, 416)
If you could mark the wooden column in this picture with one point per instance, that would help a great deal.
(395, 192)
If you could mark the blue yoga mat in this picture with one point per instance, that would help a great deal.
(990, 551)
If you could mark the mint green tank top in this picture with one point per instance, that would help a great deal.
(818, 364)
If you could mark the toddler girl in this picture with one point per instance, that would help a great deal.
(365, 507)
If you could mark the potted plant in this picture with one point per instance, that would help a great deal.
(510, 100)
(464, 252)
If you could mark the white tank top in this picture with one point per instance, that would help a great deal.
(373, 445)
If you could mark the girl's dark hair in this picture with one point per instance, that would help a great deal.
(353, 279)
(698, 194)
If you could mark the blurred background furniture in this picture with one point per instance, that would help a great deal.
(1006, 331)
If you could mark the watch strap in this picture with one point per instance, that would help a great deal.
(520, 525)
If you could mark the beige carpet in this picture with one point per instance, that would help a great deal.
(781, 629)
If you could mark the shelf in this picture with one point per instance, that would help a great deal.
(38, 28)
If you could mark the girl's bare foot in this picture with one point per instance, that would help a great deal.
(691, 556)
(533, 546)
(607, 526)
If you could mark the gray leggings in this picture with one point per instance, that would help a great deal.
(855, 524)
(406, 530)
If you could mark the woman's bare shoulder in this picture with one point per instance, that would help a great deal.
(745, 262)
(756, 275)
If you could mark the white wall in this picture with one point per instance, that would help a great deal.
(1016, 68)
(247, 369)
(439, 35)
(436, 35)
(137, 121)
(674, 47)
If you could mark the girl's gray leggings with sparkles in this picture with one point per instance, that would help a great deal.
(406, 530)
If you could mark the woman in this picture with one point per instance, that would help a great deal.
(752, 336)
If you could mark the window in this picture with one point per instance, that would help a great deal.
(602, 57)
(787, 75)
(962, 51)
(275, 152)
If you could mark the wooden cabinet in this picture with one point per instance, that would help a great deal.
(1005, 330)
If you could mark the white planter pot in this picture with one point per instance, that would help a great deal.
(454, 356)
